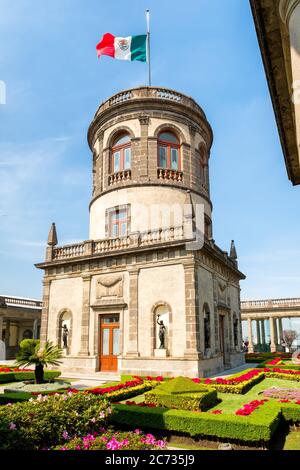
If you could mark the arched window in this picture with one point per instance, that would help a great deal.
(169, 151)
(121, 153)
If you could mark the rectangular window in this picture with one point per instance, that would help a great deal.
(116, 335)
(162, 157)
(117, 222)
(117, 161)
(105, 341)
(127, 158)
(174, 159)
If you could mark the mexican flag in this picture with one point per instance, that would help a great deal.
(130, 48)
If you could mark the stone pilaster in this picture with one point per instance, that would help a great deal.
(1, 326)
(7, 333)
(85, 318)
(35, 328)
(45, 311)
(194, 343)
(133, 313)
(250, 337)
(143, 154)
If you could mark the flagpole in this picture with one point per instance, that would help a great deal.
(148, 46)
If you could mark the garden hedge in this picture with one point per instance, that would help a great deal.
(183, 401)
(6, 377)
(257, 428)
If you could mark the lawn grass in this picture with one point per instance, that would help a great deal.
(292, 441)
(181, 445)
(232, 402)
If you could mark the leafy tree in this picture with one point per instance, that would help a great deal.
(289, 337)
(31, 353)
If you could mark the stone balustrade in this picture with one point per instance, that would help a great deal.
(69, 251)
(269, 303)
(150, 93)
(110, 245)
(20, 302)
(174, 175)
(124, 175)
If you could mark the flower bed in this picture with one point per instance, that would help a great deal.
(283, 393)
(44, 421)
(4, 369)
(239, 383)
(274, 362)
(111, 440)
(248, 409)
(279, 373)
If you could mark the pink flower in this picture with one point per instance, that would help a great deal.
(65, 435)
(12, 426)
(161, 444)
(137, 431)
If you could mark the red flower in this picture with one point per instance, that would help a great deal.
(217, 412)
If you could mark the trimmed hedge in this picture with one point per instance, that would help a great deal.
(183, 401)
(14, 397)
(290, 412)
(258, 427)
(7, 377)
(265, 364)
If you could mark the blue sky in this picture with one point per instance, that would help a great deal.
(55, 83)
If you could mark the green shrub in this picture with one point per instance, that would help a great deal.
(113, 440)
(258, 427)
(180, 385)
(291, 412)
(183, 401)
(6, 377)
(42, 422)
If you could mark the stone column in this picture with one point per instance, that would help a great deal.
(263, 333)
(45, 311)
(85, 318)
(250, 337)
(272, 334)
(258, 332)
(194, 335)
(290, 14)
(132, 347)
(275, 332)
(280, 328)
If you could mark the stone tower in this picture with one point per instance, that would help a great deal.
(149, 292)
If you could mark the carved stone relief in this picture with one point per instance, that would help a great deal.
(109, 286)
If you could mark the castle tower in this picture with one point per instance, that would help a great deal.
(149, 292)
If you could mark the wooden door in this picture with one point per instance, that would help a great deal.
(109, 342)
(221, 334)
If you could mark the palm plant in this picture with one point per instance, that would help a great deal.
(31, 353)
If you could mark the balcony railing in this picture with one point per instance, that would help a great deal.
(270, 303)
(174, 175)
(115, 178)
(149, 93)
(111, 245)
(21, 302)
